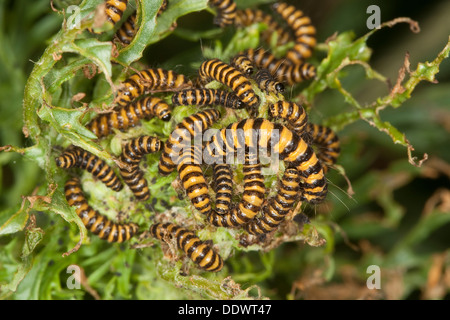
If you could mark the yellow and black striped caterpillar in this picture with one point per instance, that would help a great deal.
(129, 116)
(69, 158)
(242, 63)
(182, 135)
(327, 142)
(93, 220)
(206, 97)
(150, 80)
(252, 198)
(295, 73)
(304, 32)
(249, 16)
(198, 251)
(115, 9)
(129, 28)
(278, 206)
(261, 134)
(132, 154)
(294, 114)
(223, 187)
(263, 59)
(283, 70)
(193, 180)
(215, 69)
(267, 82)
(226, 12)
(77, 157)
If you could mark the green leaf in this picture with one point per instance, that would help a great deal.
(33, 237)
(12, 220)
(152, 30)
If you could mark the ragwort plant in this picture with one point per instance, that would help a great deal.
(77, 76)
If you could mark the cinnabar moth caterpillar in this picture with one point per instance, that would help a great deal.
(215, 69)
(288, 145)
(132, 154)
(226, 12)
(93, 220)
(198, 251)
(207, 97)
(182, 135)
(129, 116)
(77, 157)
(267, 82)
(278, 206)
(150, 80)
(304, 32)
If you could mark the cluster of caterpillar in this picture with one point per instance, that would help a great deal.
(292, 68)
(308, 150)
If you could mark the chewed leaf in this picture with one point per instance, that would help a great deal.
(67, 121)
(394, 133)
(342, 50)
(96, 51)
(59, 206)
(56, 77)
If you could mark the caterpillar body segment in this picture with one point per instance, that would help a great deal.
(242, 63)
(223, 187)
(151, 80)
(193, 180)
(114, 10)
(252, 198)
(134, 150)
(289, 146)
(99, 169)
(295, 73)
(267, 82)
(77, 157)
(294, 114)
(226, 12)
(215, 69)
(132, 154)
(263, 59)
(129, 116)
(249, 16)
(275, 211)
(304, 32)
(95, 222)
(198, 251)
(327, 142)
(128, 30)
(282, 69)
(137, 183)
(207, 97)
(182, 136)
(69, 158)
